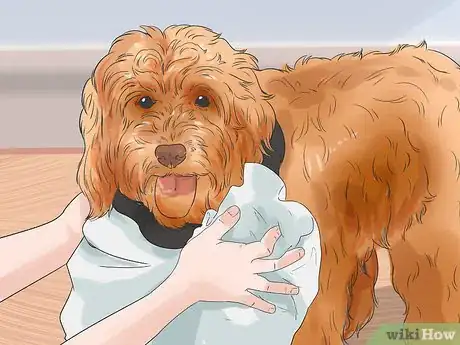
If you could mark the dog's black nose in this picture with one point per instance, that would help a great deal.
(171, 155)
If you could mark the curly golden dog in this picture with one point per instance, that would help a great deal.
(170, 117)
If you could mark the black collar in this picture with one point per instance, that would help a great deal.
(164, 237)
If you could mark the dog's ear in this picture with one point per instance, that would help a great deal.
(268, 78)
(95, 173)
(255, 111)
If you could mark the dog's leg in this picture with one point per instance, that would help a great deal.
(425, 265)
(327, 315)
(363, 296)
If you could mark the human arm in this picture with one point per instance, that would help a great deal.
(208, 270)
(30, 255)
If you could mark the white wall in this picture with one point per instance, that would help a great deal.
(63, 22)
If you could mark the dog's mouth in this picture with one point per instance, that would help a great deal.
(175, 185)
(175, 194)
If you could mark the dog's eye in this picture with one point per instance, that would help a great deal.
(146, 102)
(202, 101)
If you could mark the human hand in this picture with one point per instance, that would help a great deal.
(215, 270)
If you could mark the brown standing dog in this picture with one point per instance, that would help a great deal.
(373, 150)
(170, 117)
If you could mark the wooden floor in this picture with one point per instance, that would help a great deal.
(34, 188)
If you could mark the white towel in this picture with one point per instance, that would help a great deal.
(114, 266)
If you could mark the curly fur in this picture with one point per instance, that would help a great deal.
(173, 67)
(371, 150)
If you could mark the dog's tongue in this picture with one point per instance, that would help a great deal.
(174, 194)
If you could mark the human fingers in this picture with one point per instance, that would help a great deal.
(265, 246)
(224, 222)
(264, 285)
(255, 302)
(270, 265)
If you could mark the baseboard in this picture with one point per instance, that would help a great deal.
(41, 151)
(40, 87)
(76, 59)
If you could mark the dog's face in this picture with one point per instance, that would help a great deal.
(169, 118)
